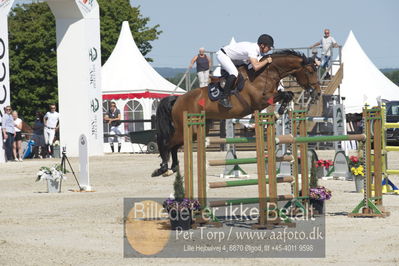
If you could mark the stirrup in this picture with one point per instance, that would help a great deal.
(225, 102)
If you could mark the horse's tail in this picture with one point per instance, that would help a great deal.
(163, 121)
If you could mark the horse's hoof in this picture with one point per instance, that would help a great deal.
(175, 168)
(168, 173)
(159, 172)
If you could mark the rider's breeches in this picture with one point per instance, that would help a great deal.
(114, 130)
(226, 63)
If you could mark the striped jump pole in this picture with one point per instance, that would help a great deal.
(319, 119)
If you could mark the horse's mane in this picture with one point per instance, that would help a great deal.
(287, 52)
(279, 53)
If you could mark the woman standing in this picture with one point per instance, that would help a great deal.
(17, 145)
(203, 64)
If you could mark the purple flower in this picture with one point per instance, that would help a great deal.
(320, 193)
(172, 204)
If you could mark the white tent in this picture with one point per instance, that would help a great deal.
(127, 75)
(130, 81)
(363, 82)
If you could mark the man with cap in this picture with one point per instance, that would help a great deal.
(242, 51)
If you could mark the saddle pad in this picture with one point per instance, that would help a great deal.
(215, 92)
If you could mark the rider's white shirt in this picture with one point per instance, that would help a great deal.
(242, 50)
(52, 119)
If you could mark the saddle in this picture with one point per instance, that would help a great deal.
(215, 87)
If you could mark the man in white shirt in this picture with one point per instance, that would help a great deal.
(51, 120)
(242, 51)
(327, 43)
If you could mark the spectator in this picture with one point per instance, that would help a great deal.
(8, 130)
(113, 117)
(327, 43)
(203, 64)
(38, 137)
(17, 145)
(51, 121)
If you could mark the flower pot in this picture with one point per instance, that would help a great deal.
(318, 206)
(53, 185)
(359, 183)
(180, 220)
(321, 172)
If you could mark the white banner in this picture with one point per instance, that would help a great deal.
(5, 6)
(79, 66)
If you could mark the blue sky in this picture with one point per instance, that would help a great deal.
(188, 25)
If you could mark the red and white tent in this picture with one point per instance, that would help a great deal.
(130, 81)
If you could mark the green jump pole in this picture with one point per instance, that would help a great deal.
(247, 182)
(285, 158)
(210, 140)
(221, 203)
(287, 139)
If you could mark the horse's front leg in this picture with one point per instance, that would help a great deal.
(314, 95)
(284, 97)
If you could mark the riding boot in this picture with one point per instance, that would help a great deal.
(119, 147)
(229, 85)
(112, 146)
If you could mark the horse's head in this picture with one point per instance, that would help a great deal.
(307, 77)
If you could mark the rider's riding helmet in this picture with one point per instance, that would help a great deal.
(266, 39)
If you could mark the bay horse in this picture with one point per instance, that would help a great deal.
(259, 91)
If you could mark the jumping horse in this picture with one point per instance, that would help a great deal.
(260, 90)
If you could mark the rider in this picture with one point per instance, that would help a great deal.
(242, 51)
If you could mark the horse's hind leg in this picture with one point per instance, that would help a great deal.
(175, 160)
(165, 154)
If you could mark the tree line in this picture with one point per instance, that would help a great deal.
(393, 76)
(32, 42)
